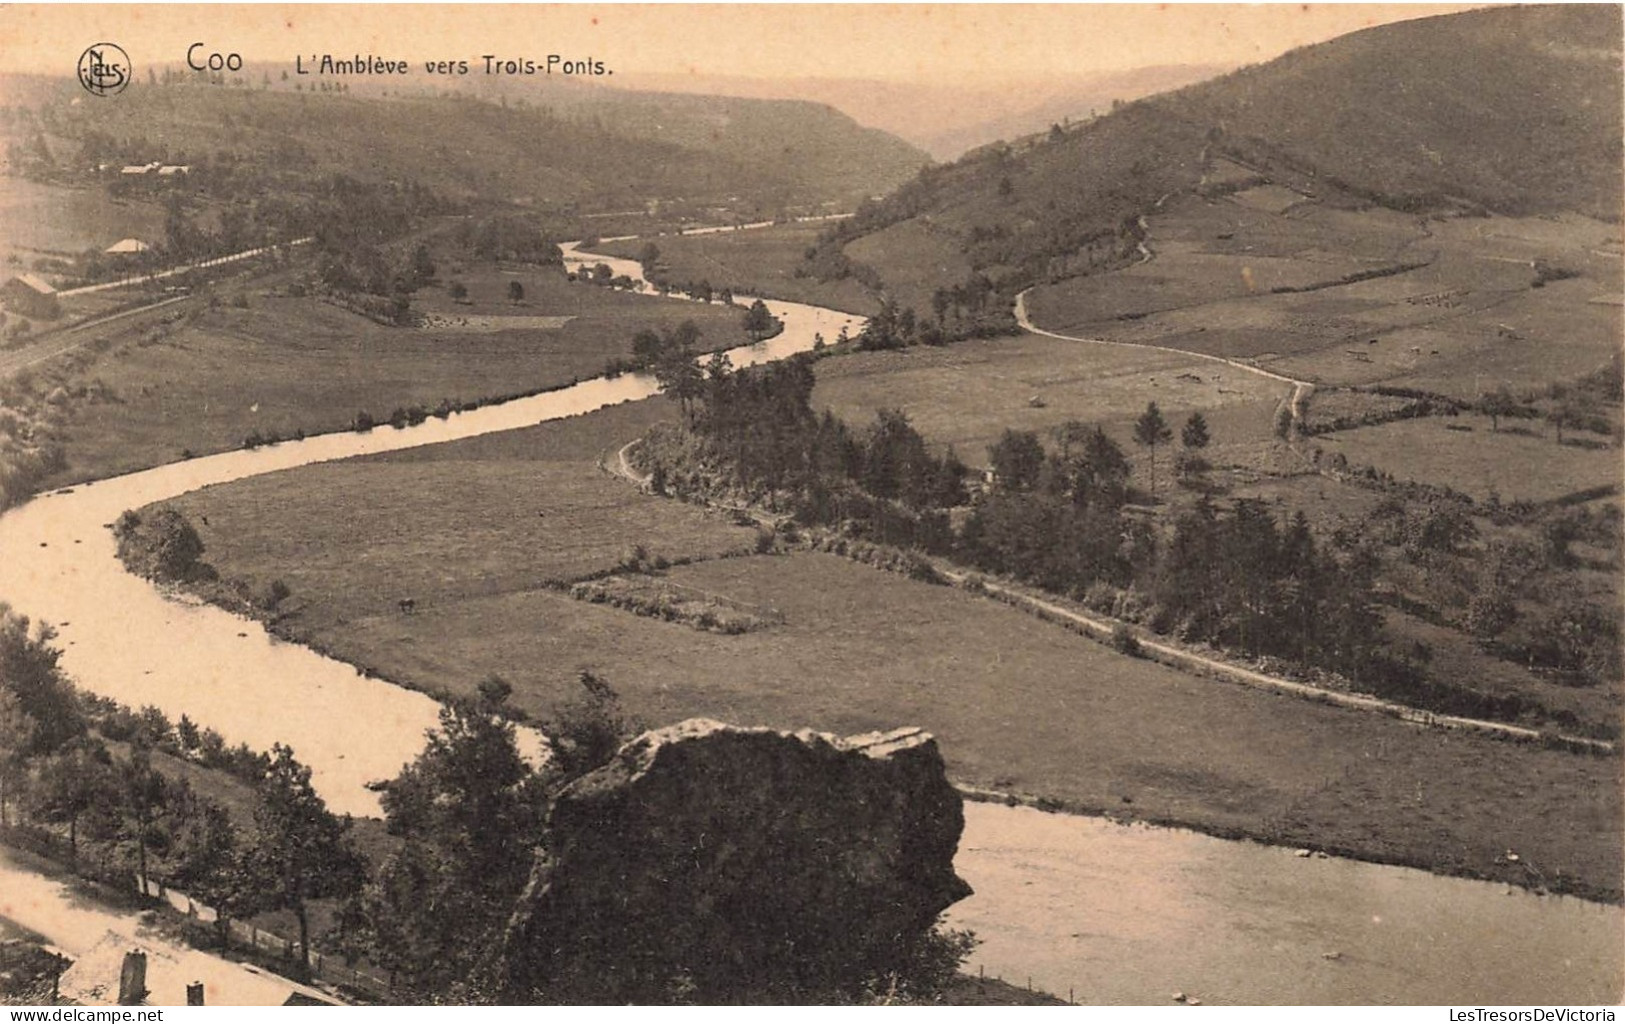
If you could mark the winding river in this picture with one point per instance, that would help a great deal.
(1107, 912)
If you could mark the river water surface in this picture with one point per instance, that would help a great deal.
(1112, 913)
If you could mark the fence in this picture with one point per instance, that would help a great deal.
(46, 844)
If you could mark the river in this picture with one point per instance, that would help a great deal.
(1115, 914)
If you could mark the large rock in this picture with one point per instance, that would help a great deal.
(730, 863)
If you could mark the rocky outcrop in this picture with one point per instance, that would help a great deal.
(726, 864)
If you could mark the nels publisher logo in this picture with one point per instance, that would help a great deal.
(104, 69)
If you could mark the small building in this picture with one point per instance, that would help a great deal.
(31, 296)
(172, 169)
(127, 247)
(139, 168)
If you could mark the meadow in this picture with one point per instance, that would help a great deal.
(761, 261)
(1019, 704)
(1520, 462)
(967, 394)
(37, 218)
(283, 364)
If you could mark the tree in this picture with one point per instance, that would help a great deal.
(516, 292)
(759, 323)
(1283, 421)
(1565, 413)
(1093, 468)
(1496, 404)
(164, 547)
(1151, 430)
(471, 811)
(1194, 435)
(206, 862)
(585, 733)
(459, 291)
(16, 739)
(74, 783)
(298, 850)
(648, 256)
(678, 375)
(142, 796)
(1017, 459)
(29, 672)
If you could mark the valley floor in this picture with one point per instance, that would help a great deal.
(1018, 704)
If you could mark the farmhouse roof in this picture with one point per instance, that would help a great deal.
(36, 284)
(128, 245)
(175, 169)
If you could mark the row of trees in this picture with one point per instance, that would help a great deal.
(60, 767)
(469, 813)
(1054, 514)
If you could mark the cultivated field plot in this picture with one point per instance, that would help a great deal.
(1471, 319)
(1463, 453)
(287, 364)
(759, 261)
(968, 393)
(1555, 333)
(1176, 280)
(474, 519)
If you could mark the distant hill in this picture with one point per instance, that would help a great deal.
(948, 120)
(600, 147)
(1514, 110)
(1074, 100)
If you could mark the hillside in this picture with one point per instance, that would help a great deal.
(1513, 110)
(600, 148)
(947, 120)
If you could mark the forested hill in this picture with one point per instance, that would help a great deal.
(1511, 110)
(605, 149)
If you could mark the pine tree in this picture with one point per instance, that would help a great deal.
(1151, 430)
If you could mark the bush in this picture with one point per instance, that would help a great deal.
(1124, 641)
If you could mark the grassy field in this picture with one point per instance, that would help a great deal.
(917, 259)
(1017, 703)
(760, 261)
(508, 519)
(51, 218)
(287, 364)
(1461, 452)
(1465, 323)
(968, 393)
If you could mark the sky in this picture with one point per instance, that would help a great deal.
(971, 45)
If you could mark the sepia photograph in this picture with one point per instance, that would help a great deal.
(823, 505)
